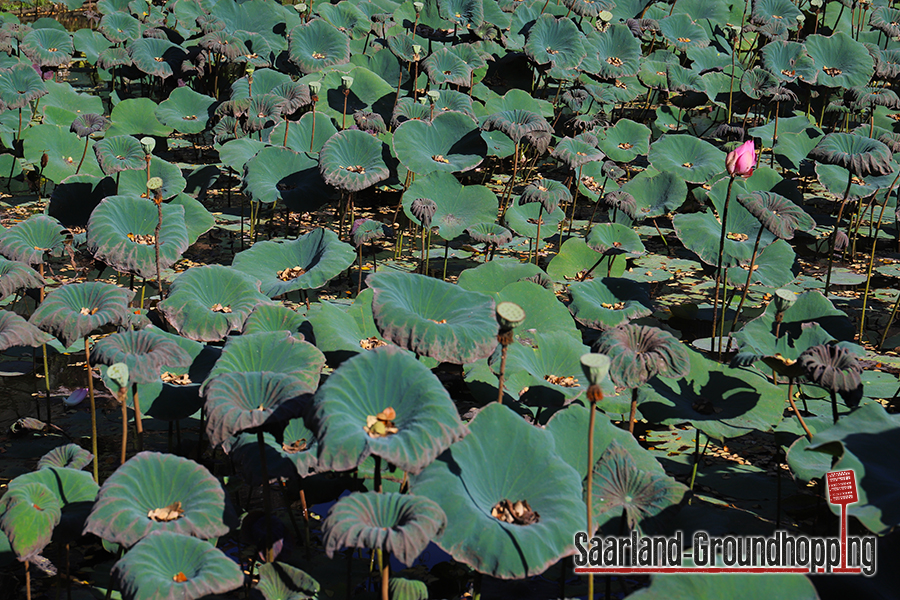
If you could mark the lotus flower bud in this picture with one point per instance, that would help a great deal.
(742, 160)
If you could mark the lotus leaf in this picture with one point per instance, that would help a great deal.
(863, 156)
(523, 219)
(613, 239)
(490, 233)
(28, 514)
(736, 586)
(16, 331)
(74, 489)
(777, 214)
(544, 313)
(612, 53)
(464, 13)
(433, 318)
(134, 182)
(119, 27)
(271, 352)
(400, 524)
(110, 58)
(319, 254)
(149, 481)
(407, 109)
(316, 45)
(121, 232)
(516, 123)
(840, 60)
(20, 85)
(136, 116)
(70, 456)
(300, 133)
(73, 311)
(16, 276)
(341, 331)
(546, 371)
(266, 317)
(639, 353)
(281, 581)
(144, 351)
(206, 303)
(557, 42)
(450, 142)
(87, 124)
(365, 385)
(453, 101)
(835, 368)
(457, 205)
(656, 194)
(352, 161)
(445, 67)
(48, 47)
(63, 150)
(477, 473)
(280, 174)
(170, 564)
(690, 158)
(185, 110)
(683, 32)
(608, 302)
(156, 57)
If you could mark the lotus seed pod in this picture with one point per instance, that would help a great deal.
(595, 367)
(417, 50)
(418, 6)
(423, 209)
(346, 82)
(509, 315)
(300, 8)
(784, 299)
(119, 374)
(148, 144)
(434, 95)
(605, 16)
(154, 183)
(315, 87)
(249, 70)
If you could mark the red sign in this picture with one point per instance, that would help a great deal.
(841, 487)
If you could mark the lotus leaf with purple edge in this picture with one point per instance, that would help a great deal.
(547, 372)
(516, 123)
(862, 156)
(281, 581)
(305, 263)
(28, 241)
(156, 57)
(277, 352)
(656, 195)
(315, 45)
(271, 317)
(16, 276)
(444, 66)
(555, 42)
(207, 303)
(613, 239)
(835, 368)
(639, 353)
(352, 160)
(277, 174)
(608, 302)
(457, 205)
(75, 310)
(134, 182)
(614, 52)
(20, 85)
(144, 351)
(119, 153)
(70, 456)
(170, 565)
(86, 124)
(434, 318)
(121, 231)
(185, 110)
(401, 524)
(369, 383)
(450, 142)
(575, 152)
(154, 493)
(475, 475)
(295, 455)
(119, 27)
(28, 515)
(74, 489)
(549, 192)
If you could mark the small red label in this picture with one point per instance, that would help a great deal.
(841, 487)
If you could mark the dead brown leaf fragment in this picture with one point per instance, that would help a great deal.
(173, 379)
(382, 424)
(179, 577)
(295, 446)
(563, 381)
(169, 513)
(219, 308)
(142, 239)
(517, 513)
(371, 343)
(291, 273)
(88, 311)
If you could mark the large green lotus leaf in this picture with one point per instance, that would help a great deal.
(300, 133)
(251, 401)
(20, 85)
(16, 331)
(47, 47)
(433, 318)
(185, 110)
(367, 384)
(516, 123)
(144, 351)
(720, 401)
(458, 205)
(493, 276)
(206, 303)
(28, 241)
(16, 276)
(156, 57)
(772, 267)
(28, 514)
(841, 61)
(136, 116)
(859, 441)
(352, 160)
(620, 487)
(796, 325)
(612, 53)
(74, 489)
(275, 352)
(71, 456)
(150, 480)
(73, 311)
(863, 156)
(171, 565)
(234, 154)
(279, 174)
(118, 228)
(625, 141)
(90, 44)
(656, 194)
(788, 61)
(683, 32)
(608, 302)
(834, 178)
(450, 142)
(63, 150)
(463, 13)
(470, 478)
(544, 313)
(134, 182)
(119, 153)
(120, 27)
(614, 238)
(346, 17)
(523, 219)
(689, 157)
(400, 524)
(281, 581)
(556, 42)
(368, 92)
(545, 372)
(700, 233)
(341, 331)
(316, 45)
(575, 256)
(197, 219)
(320, 255)
(517, 99)
(734, 586)
(63, 104)
(266, 317)
(445, 67)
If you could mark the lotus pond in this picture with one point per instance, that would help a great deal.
(390, 299)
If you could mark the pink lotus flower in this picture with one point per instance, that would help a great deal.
(742, 160)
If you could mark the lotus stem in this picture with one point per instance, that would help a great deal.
(344, 113)
(46, 388)
(574, 200)
(633, 410)
(446, 256)
(385, 573)
(287, 125)
(122, 397)
(312, 138)
(594, 395)
(90, 380)
(794, 407)
(305, 509)
(537, 239)
(697, 456)
(359, 285)
(749, 275)
(775, 136)
(837, 224)
(156, 244)
(725, 304)
(862, 318)
(267, 495)
(508, 191)
(138, 424)
(834, 409)
(505, 338)
(28, 568)
(591, 270)
(721, 251)
(87, 139)
(890, 322)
